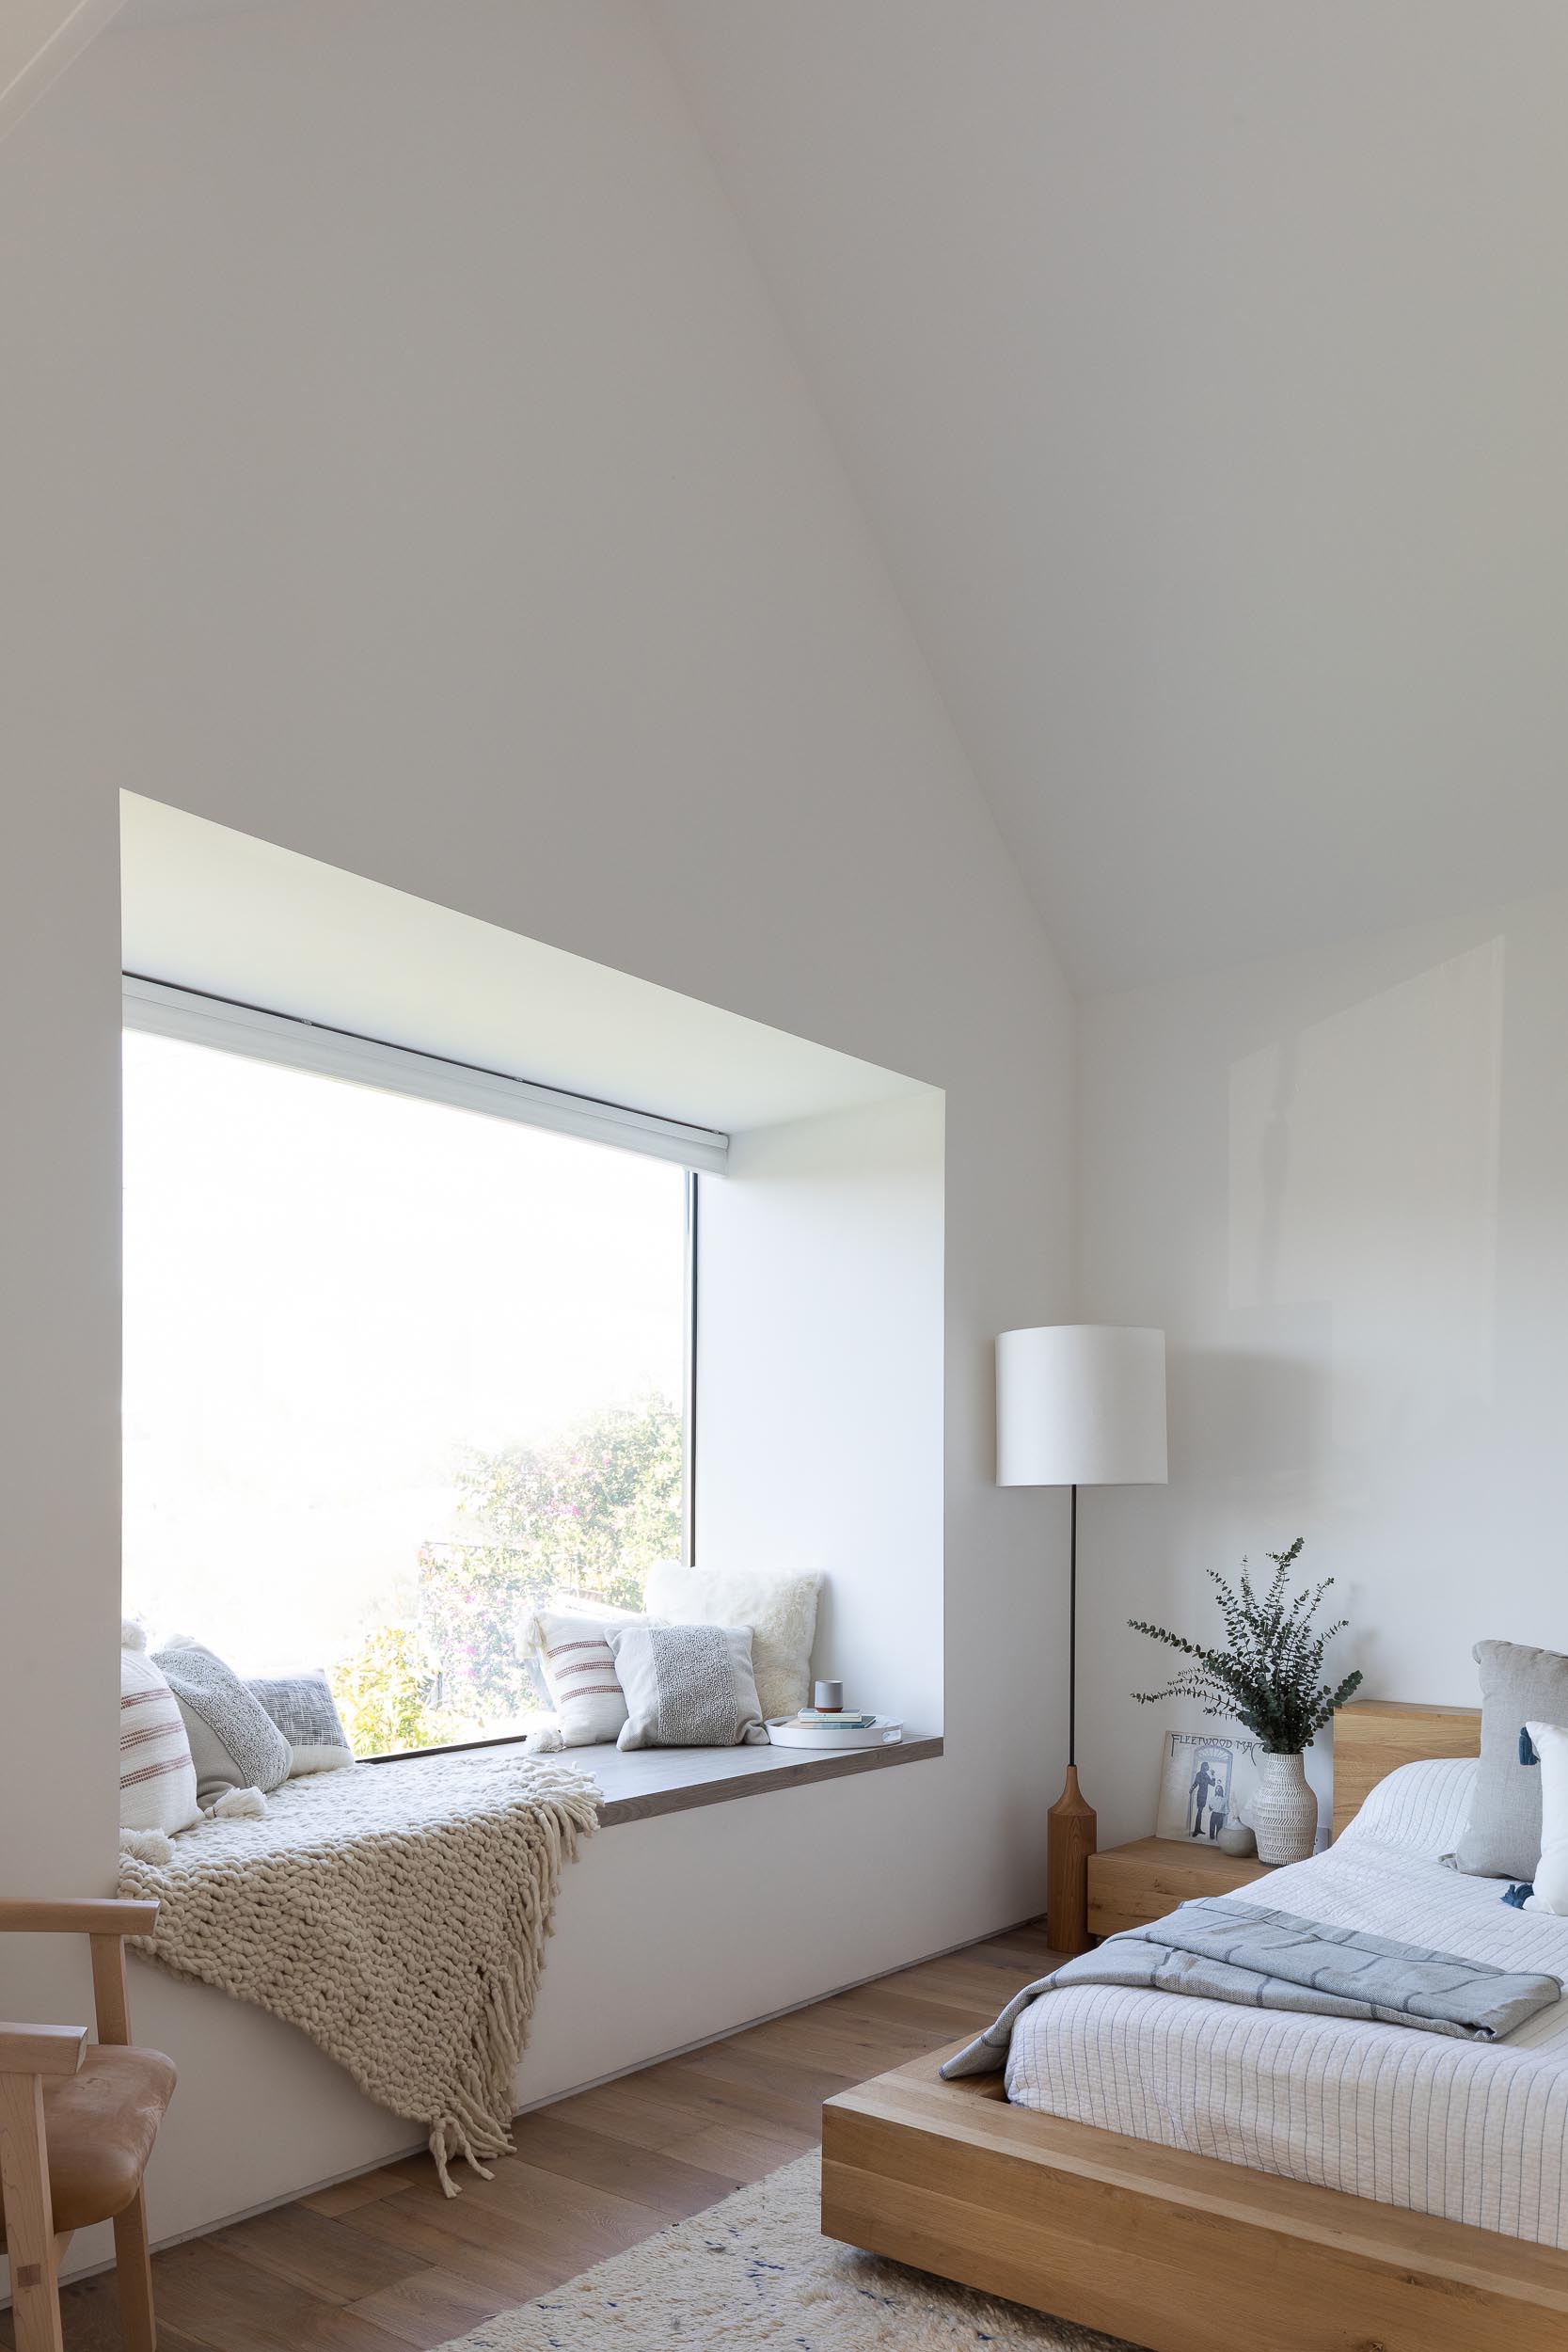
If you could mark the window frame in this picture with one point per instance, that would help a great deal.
(228, 1025)
(201, 1017)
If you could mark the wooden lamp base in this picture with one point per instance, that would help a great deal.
(1070, 1841)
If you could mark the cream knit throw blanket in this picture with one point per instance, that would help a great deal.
(395, 1913)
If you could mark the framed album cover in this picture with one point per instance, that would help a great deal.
(1206, 1779)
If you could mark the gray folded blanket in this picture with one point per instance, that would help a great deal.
(1218, 1950)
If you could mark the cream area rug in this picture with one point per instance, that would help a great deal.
(756, 2270)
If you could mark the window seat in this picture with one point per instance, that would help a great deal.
(397, 1917)
(648, 1781)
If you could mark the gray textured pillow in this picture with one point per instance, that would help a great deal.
(780, 1610)
(686, 1686)
(234, 1742)
(1503, 1836)
(304, 1709)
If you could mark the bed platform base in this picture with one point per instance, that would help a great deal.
(1176, 2252)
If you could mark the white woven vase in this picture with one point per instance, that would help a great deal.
(1283, 1811)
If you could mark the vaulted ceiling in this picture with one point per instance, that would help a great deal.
(1202, 367)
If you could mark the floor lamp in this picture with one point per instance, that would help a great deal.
(1078, 1404)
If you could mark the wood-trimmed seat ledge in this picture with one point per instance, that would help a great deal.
(649, 1781)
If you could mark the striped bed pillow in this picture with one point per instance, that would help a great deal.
(157, 1779)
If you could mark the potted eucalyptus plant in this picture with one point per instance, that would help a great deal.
(1270, 1676)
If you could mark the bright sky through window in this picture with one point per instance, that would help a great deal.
(389, 1366)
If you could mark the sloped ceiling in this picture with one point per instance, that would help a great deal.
(1203, 367)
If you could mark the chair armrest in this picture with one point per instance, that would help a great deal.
(41, 2049)
(77, 1915)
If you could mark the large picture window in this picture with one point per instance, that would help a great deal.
(391, 1368)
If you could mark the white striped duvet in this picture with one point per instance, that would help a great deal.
(1474, 2132)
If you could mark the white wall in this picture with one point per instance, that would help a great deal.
(39, 39)
(418, 478)
(1339, 1181)
(820, 1390)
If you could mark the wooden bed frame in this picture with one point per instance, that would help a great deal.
(1176, 2252)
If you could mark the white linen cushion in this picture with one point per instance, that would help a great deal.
(1422, 1807)
(780, 1610)
(687, 1686)
(1550, 1742)
(574, 1656)
(157, 1779)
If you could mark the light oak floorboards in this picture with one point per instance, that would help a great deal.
(386, 2264)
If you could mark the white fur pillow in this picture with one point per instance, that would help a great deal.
(780, 1610)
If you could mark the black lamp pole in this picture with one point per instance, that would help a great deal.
(1073, 1641)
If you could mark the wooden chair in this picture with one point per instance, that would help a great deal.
(77, 2124)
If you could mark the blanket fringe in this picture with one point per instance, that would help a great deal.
(478, 2123)
(220, 1922)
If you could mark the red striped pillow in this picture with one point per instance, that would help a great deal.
(579, 1675)
(157, 1779)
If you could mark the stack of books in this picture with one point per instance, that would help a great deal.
(833, 1728)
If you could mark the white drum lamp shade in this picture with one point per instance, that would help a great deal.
(1081, 1405)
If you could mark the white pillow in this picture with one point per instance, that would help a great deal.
(579, 1672)
(1551, 1741)
(157, 1778)
(234, 1742)
(1422, 1807)
(529, 1641)
(687, 1686)
(780, 1610)
(303, 1707)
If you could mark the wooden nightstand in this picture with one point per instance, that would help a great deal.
(1132, 1884)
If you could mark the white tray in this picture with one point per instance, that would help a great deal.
(882, 1733)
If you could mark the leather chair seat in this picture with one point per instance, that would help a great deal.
(99, 2125)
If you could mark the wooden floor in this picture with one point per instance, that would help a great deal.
(386, 2262)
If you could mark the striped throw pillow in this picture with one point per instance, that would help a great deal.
(579, 1675)
(157, 1779)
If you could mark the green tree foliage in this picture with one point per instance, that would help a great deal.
(383, 1692)
(1270, 1678)
(589, 1511)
